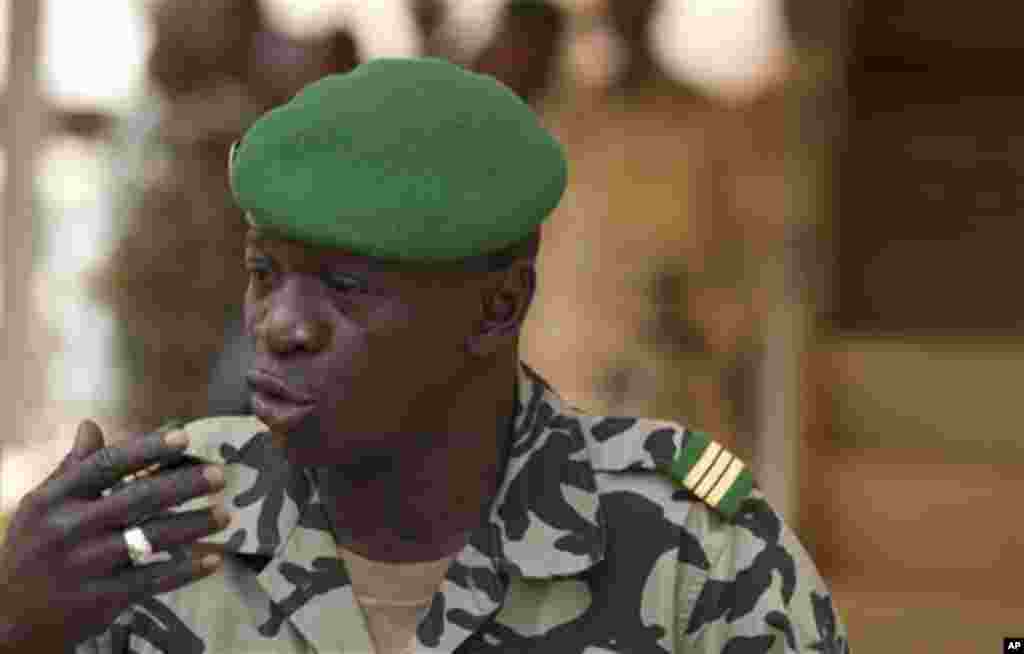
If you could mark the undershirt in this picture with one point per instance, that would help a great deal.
(394, 597)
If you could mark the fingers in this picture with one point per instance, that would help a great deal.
(101, 555)
(147, 496)
(104, 467)
(154, 579)
(184, 528)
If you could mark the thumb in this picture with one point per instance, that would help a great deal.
(88, 439)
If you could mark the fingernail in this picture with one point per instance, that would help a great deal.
(177, 438)
(214, 475)
(210, 561)
(221, 516)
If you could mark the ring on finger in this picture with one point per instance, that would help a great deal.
(139, 547)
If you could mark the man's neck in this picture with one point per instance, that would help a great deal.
(426, 505)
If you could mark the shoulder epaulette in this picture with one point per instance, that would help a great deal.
(711, 472)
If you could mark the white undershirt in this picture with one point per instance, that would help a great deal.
(394, 597)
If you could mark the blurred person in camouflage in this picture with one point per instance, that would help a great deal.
(407, 483)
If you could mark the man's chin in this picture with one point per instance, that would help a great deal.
(307, 434)
(296, 454)
(279, 441)
(355, 462)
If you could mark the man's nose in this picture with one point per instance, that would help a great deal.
(292, 323)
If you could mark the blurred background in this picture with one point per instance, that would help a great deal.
(791, 224)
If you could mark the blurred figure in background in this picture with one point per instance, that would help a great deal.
(677, 203)
(217, 66)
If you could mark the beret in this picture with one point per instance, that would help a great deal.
(519, 6)
(401, 159)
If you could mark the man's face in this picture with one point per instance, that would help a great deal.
(354, 360)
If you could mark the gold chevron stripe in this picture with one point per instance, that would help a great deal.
(725, 483)
(703, 463)
(713, 475)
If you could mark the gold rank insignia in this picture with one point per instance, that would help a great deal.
(711, 472)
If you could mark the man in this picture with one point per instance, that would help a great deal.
(408, 484)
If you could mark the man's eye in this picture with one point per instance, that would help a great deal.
(345, 283)
(258, 271)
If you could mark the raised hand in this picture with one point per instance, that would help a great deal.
(65, 569)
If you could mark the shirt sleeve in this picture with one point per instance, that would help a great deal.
(747, 586)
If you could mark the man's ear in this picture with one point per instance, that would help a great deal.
(504, 302)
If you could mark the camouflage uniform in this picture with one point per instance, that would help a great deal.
(588, 547)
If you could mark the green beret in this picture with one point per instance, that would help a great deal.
(524, 6)
(401, 159)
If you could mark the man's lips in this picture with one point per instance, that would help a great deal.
(281, 407)
(269, 384)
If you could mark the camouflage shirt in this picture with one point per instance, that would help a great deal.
(588, 547)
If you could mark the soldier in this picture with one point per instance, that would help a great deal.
(407, 483)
